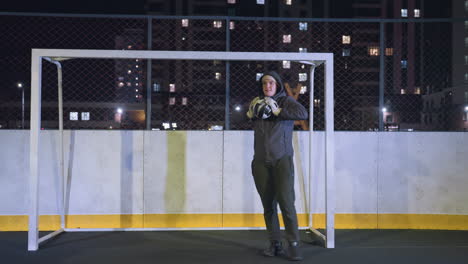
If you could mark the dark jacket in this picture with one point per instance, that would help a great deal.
(273, 136)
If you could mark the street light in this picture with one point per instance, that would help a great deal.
(21, 86)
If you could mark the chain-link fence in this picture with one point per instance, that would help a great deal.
(389, 75)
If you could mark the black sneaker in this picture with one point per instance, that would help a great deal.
(294, 252)
(275, 249)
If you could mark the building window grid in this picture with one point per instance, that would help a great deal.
(373, 51)
(302, 77)
(417, 13)
(217, 24)
(404, 12)
(388, 51)
(346, 39)
(303, 26)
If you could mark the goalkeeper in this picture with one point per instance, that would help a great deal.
(272, 165)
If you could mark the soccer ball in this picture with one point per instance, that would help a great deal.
(262, 110)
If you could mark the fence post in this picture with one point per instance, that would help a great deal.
(148, 74)
(381, 75)
(227, 118)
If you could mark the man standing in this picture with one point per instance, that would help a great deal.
(272, 165)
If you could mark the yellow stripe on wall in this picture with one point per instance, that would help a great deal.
(342, 221)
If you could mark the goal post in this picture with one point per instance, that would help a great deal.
(56, 55)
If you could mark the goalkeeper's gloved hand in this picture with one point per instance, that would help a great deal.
(273, 105)
(250, 113)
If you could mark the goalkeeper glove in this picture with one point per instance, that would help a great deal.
(273, 105)
(250, 113)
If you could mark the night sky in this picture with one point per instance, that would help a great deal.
(338, 8)
(80, 7)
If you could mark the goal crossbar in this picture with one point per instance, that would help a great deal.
(56, 55)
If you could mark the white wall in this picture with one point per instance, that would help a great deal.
(152, 172)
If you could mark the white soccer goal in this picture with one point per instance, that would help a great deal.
(56, 55)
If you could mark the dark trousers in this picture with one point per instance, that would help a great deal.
(275, 185)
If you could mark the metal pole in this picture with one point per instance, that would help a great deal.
(381, 75)
(35, 124)
(149, 75)
(330, 190)
(22, 106)
(227, 116)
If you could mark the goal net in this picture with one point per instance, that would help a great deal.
(169, 90)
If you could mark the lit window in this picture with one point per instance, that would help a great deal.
(136, 78)
(404, 12)
(217, 24)
(136, 66)
(172, 87)
(418, 90)
(137, 84)
(121, 84)
(185, 22)
(166, 125)
(389, 51)
(258, 76)
(404, 64)
(85, 116)
(232, 25)
(346, 52)
(184, 100)
(373, 51)
(129, 84)
(73, 116)
(316, 102)
(417, 13)
(156, 87)
(303, 90)
(402, 91)
(231, 1)
(260, 2)
(302, 49)
(346, 39)
(120, 78)
(129, 46)
(218, 76)
(286, 64)
(171, 100)
(129, 71)
(286, 38)
(136, 90)
(466, 77)
(303, 26)
(302, 77)
(288, 2)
